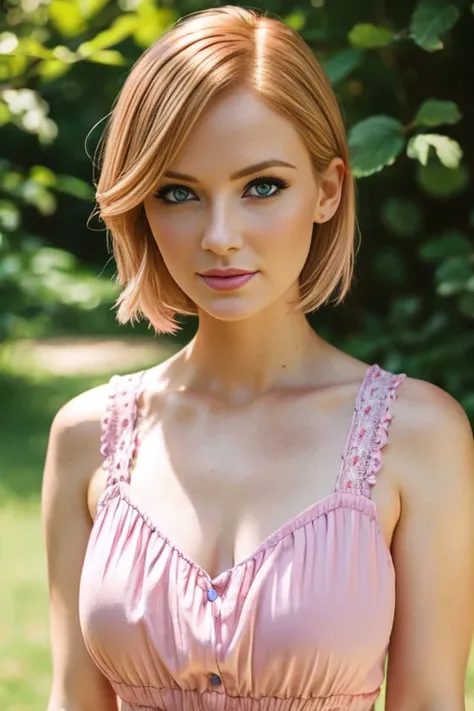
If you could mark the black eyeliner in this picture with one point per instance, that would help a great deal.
(261, 180)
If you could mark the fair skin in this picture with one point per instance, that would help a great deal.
(265, 385)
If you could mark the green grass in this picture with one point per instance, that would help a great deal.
(29, 400)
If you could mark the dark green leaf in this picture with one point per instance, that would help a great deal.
(452, 275)
(389, 267)
(74, 186)
(374, 143)
(430, 21)
(448, 244)
(466, 304)
(403, 217)
(441, 182)
(342, 64)
(437, 113)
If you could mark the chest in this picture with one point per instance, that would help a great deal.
(217, 483)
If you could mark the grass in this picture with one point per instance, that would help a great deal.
(30, 399)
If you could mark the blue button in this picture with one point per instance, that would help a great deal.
(215, 680)
(212, 595)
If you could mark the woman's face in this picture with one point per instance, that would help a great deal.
(240, 195)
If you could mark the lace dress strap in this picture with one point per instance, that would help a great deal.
(119, 431)
(368, 434)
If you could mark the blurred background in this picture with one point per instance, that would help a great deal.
(403, 71)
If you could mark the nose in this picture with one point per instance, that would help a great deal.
(221, 234)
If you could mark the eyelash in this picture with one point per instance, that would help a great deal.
(264, 180)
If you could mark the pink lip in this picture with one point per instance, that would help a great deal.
(234, 280)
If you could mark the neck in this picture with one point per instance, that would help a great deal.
(236, 362)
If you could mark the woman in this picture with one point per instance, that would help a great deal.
(224, 555)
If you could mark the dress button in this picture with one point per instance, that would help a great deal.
(215, 680)
(212, 595)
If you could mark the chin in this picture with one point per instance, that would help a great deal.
(231, 312)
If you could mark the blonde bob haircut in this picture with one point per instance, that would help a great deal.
(161, 100)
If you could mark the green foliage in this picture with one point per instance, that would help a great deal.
(366, 36)
(436, 113)
(440, 181)
(430, 21)
(447, 149)
(341, 64)
(401, 72)
(374, 143)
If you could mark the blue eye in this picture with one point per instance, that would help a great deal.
(266, 187)
(178, 191)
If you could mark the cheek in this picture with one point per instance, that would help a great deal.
(290, 228)
(173, 234)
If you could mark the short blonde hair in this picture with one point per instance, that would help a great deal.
(163, 96)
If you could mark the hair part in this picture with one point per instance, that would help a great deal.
(163, 97)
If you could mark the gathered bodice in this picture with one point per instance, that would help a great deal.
(302, 624)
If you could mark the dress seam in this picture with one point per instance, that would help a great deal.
(310, 697)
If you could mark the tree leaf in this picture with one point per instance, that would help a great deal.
(111, 57)
(154, 22)
(123, 27)
(92, 7)
(5, 114)
(452, 275)
(403, 217)
(296, 20)
(341, 64)
(9, 215)
(441, 182)
(368, 36)
(466, 304)
(374, 143)
(76, 187)
(8, 42)
(436, 113)
(52, 69)
(447, 149)
(430, 20)
(389, 267)
(451, 243)
(66, 17)
(43, 176)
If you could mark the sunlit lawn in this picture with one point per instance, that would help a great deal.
(29, 400)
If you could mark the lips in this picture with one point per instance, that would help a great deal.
(227, 279)
(226, 272)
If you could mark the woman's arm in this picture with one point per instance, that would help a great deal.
(72, 457)
(433, 551)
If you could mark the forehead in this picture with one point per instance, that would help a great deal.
(236, 130)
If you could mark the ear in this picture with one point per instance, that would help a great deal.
(330, 190)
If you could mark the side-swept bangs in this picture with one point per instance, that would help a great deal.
(163, 97)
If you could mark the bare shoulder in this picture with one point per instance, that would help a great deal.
(76, 429)
(431, 454)
(432, 441)
(72, 457)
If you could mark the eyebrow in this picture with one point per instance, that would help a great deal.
(257, 167)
